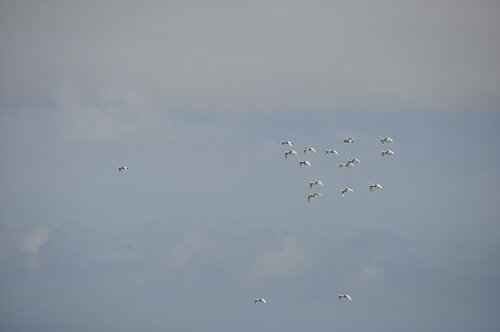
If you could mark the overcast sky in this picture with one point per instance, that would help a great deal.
(194, 96)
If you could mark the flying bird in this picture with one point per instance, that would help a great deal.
(304, 163)
(344, 296)
(343, 191)
(289, 143)
(315, 195)
(350, 162)
(387, 153)
(331, 151)
(310, 149)
(346, 164)
(291, 152)
(384, 140)
(349, 140)
(123, 168)
(258, 300)
(375, 186)
(315, 183)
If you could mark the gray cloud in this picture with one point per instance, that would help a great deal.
(289, 258)
(266, 57)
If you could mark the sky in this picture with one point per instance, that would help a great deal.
(195, 97)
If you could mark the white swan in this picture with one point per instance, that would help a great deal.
(310, 149)
(315, 195)
(346, 164)
(315, 183)
(291, 152)
(304, 163)
(344, 296)
(375, 186)
(258, 300)
(384, 140)
(343, 191)
(387, 153)
(331, 151)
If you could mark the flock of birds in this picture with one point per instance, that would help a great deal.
(318, 183)
(347, 164)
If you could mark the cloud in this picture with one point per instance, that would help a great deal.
(370, 272)
(111, 115)
(31, 241)
(287, 259)
(267, 57)
(194, 245)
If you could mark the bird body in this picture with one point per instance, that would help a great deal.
(304, 163)
(310, 150)
(350, 162)
(385, 140)
(345, 190)
(315, 183)
(331, 151)
(375, 186)
(344, 296)
(290, 152)
(289, 143)
(123, 168)
(346, 164)
(315, 195)
(258, 300)
(349, 140)
(387, 153)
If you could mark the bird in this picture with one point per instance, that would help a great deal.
(387, 153)
(304, 163)
(349, 140)
(310, 149)
(375, 186)
(315, 183)
(346, 164)
(354, 161)
(384, 140)
(123, 168)
(331, 151)
(258, 300)
(289, 143)
(290, 152)
(344, 296)
(343, 191)
(315, 195)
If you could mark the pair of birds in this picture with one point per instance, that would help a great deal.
(372, 186)
(385, 140)
(261, 300)
(350, 162)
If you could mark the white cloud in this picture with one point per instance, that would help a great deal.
(111, 115)
(194, 245)
(289, 258)
(31, 241)
(370, 272)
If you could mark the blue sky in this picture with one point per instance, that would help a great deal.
(195, 98)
